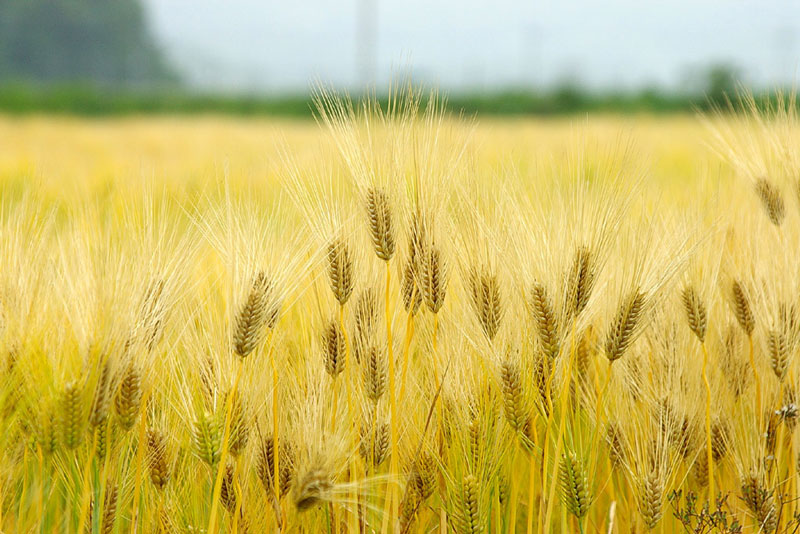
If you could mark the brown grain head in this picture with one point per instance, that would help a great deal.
(486, 300)
(381, 223)
(335, 348)
(772, 200)
(128, 399)
(340, 270)
(579, 281)
(695, 312)
(252, 316)
(742, 308)
(624, 327)
(433, 278)
(157, 458)
(374, 371)
(544, 318)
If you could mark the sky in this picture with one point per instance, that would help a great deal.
(246, 45)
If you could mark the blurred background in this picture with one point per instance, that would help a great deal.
(503, 56)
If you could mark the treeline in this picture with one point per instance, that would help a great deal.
(93, 100)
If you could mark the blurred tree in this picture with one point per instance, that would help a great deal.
(721, 83)
(96, 41)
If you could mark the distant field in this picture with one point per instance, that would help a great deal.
(202, 149)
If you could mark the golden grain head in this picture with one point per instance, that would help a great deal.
(340, 270)
(772, 200)
(253, 315)
(626, 325)
(487, 300)
(580, 281)
(742, 308)
(695, 312)
(381, 223)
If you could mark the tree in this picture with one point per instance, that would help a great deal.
(96, 41)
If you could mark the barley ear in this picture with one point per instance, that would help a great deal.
(381, 223)
(695, 312)
(574, 485)
(626, 322)
(742, 308)
(772, 200)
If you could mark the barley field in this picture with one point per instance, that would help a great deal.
(400, 321)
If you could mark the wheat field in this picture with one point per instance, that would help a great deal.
(400, 320)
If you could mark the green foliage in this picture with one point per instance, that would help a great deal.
(98, 41)
(84, 99)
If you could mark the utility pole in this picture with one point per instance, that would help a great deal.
(366, 42)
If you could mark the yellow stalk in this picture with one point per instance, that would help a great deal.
(562, 421)
(137, 492)
(759, 415)
(238, 509)
(351, 410)
(40, 497)
(406, 348)
(212, 521)
(85, 482)
(498, 521)
(23, 495)
(531, 486)
(392, 397)
(709, 455)
(512, 524)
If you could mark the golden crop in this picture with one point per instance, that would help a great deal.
(400, 321)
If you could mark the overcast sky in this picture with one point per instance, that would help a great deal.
(282, 45)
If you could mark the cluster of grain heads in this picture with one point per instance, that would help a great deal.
(265, 469)
(152, 431)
